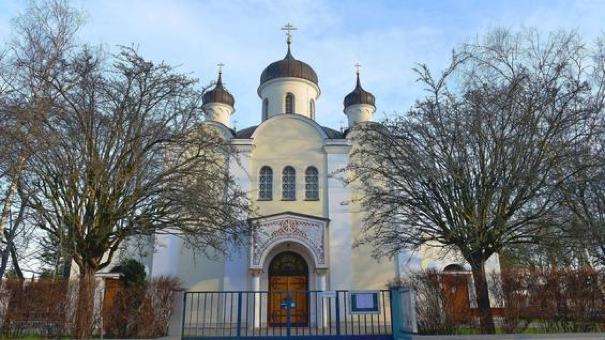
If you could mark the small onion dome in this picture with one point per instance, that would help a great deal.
(288, 67)
(359, 96)
(218, 94)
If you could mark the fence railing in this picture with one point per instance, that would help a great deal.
(293, 313)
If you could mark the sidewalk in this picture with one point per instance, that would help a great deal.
(564, 336)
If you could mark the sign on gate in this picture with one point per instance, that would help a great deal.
(328, 294)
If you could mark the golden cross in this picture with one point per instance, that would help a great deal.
(357, 66)
(288, 27)
(220, 67)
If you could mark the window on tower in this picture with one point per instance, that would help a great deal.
(311, 184)
(312, 109)
(265, 184)
(289, 184)
(289, 103)
(265, 109)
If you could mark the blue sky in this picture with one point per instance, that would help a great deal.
(386, 37)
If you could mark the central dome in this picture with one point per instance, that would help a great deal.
(288, 67)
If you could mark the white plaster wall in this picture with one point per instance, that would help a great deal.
(166, 256)
(236, 262)
(288, 140)
(218, 112)
(340, 274)
(275, 91)
(359, 113)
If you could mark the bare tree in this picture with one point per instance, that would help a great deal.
(125, 154)
(473, 166)
(43, 37)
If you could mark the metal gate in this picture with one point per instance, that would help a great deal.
(326, 314)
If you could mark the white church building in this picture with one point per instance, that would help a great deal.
(308, 219)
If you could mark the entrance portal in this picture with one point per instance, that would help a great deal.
(288, 280)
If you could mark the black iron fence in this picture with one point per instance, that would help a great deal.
(318, 314)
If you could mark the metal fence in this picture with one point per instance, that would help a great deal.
(278, 314)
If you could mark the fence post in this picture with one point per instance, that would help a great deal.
(395, 311)
(177, 320)
(288, 313)
(338, 314)
(239, 315)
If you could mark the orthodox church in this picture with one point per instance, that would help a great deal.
(308, 219)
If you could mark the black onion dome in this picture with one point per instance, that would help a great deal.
(359, 96)
(288, 67)
(218, 94)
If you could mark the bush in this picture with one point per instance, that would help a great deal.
(553, 300)
(433, 314)
(137, 313)
(45, 308)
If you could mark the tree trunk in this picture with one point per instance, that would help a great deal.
(485, 312)
(5, 253)
(15, 262)
(10, 236)
(85, 307)
(10, 193)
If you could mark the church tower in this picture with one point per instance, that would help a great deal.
(217, 103)
(288, 86)
(360, 104)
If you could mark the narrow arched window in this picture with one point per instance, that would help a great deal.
(265, 109)
(289, 103)
(265, 184)
(289, 184)
(311, 184)
(312, 109)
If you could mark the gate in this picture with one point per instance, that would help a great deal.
(308, 314)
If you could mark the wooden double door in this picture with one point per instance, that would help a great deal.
(288, 290)
(457, 303)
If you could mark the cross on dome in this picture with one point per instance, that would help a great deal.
(288, 28)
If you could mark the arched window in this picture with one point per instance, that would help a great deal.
(289, 103)
(312, 109)
(311, 183)
(265, 109)
(289, 184)
(265, 184)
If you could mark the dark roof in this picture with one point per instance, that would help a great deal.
(288, 67)
(333, 134)
(247, 133)
(359, 96)
(218, 94)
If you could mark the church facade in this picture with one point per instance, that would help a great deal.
(308, 219)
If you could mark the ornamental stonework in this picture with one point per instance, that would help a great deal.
(270, 233)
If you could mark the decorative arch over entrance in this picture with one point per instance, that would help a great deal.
(288, 283)
(272, 231)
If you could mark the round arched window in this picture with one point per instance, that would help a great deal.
(289, 183)
(289, 103)
(311, 183)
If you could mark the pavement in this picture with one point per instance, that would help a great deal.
(563, 336)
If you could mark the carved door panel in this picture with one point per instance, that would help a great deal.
(278, 286)
(297, 285)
